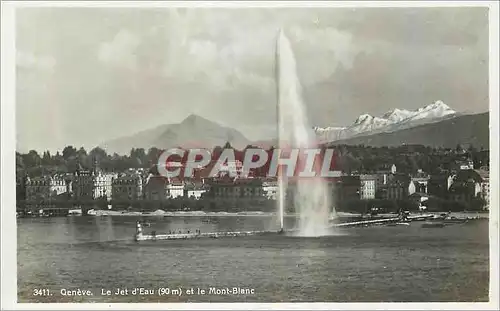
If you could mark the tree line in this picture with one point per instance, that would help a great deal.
(350, 159)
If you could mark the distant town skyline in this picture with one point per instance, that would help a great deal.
(88, 75)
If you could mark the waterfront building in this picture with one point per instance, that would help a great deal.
(83, 185)
(270, 188)
(470, 184)
(439, 185)
(92, 185)
(485, 185)
(251, 188)
(156, 188)
(194, 190)
(175, 187)
(344, 188)
(127, 187)
(227, 187)
(103, 185)
(418, 183)
(397, 187)
(383, 176)
(465, 165)
(381, 179)
(41, 190)
(368, 186)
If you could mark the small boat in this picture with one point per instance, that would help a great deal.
(398, 224)
(75, 212)
(433, 225)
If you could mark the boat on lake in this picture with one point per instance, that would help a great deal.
(398, 224)
(75, 212)
(433, 225)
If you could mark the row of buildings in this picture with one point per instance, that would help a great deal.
(95, 185)
(463, 185)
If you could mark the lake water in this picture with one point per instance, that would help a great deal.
(372, 264)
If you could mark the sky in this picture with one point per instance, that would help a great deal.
(88, 75)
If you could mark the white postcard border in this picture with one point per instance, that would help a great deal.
(8, 145)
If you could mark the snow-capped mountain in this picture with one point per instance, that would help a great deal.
(391, 121)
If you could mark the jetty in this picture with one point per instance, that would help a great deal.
(140, 236)
(185, 236)
(384, 221)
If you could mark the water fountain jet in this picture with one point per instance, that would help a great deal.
(311, 196)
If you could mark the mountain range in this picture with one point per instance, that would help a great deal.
(464, 130)
(433, 125)
(391, 121)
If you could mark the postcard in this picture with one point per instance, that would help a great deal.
(249, 155)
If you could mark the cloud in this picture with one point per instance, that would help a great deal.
(120, 51)
(324, 49)
(242, 55)
(219, 63)
(30, 60)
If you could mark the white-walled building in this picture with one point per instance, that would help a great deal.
(43, 189)
(270, 189)
(175, 188)
(418, 183)
(91, 185)
(368, 186)
(466, 165)
(103, 185)
(194, 190)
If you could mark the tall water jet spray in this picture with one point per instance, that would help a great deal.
(311, 195)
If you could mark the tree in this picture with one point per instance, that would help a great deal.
(32, 159)
(153, 155)
(58, 159)
(98, 153)
(46, 159)
(69, 152)
(138, 157)
(72, 164)
(19, 162)
(98, 156)
(81, 154)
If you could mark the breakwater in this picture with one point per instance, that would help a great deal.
(140, 236)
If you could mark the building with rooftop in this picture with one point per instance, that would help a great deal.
(127, 187)
(42, 190)
(368, 186)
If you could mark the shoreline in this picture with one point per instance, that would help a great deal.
(161, 213)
